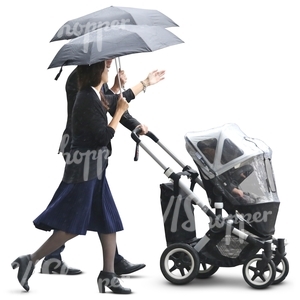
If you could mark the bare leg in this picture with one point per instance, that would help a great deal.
(108, 242)
(57, 239)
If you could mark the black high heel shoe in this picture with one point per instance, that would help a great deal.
(112, 282)
(26, 267)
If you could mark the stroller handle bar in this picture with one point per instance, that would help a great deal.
(135, 134)
(169, 172)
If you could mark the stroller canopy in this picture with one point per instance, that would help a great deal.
(219, 149)
(236, 169)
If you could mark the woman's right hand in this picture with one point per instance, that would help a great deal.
(122, 104)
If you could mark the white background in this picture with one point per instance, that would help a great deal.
(239, 64)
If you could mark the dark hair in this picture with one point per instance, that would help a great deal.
(90, 75)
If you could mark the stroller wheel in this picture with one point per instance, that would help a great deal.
(179, 263)
(206, 270)
(257, 277)
(282, 270)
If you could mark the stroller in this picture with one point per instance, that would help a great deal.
(236, 173)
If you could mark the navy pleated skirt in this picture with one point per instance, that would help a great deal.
(80, 207)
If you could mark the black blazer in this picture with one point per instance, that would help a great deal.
(72, 89)
(91, 137)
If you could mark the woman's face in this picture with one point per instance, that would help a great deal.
(104, 77)
(108, 62)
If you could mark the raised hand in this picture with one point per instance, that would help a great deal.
(155, 77)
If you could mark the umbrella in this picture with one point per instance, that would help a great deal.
(111, 42)
(111, 16)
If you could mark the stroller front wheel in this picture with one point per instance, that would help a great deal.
(282, 270)
(179, 263)
(257, 277)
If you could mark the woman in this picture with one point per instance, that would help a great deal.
(83, 200)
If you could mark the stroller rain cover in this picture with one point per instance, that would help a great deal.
(237, 171)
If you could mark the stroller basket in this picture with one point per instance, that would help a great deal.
(178, 215)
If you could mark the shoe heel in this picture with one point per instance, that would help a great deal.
(26, 267)
(101, 286)
(110, 280)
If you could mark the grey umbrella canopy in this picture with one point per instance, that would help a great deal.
(111, 16)
(111, 42)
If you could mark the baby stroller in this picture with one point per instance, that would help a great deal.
(236, 173)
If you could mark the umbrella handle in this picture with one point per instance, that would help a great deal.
(118, 67)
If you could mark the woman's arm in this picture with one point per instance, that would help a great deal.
(127, 119)
(122, 106)
(152, 78)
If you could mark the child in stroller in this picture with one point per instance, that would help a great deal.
(232, 178)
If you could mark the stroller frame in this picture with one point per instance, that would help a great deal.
(183, 261)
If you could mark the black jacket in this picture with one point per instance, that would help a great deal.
(91, 138)
(72, 89)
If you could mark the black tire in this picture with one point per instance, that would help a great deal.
(255, 277)
(206, 270)
(179, 263)
(282, 270)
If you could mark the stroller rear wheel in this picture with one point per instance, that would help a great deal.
(206, 270)
(256, 274)
(179, 263)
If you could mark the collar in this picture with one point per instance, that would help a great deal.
(98, 94)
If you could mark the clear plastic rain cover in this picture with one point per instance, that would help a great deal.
(236, 170)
